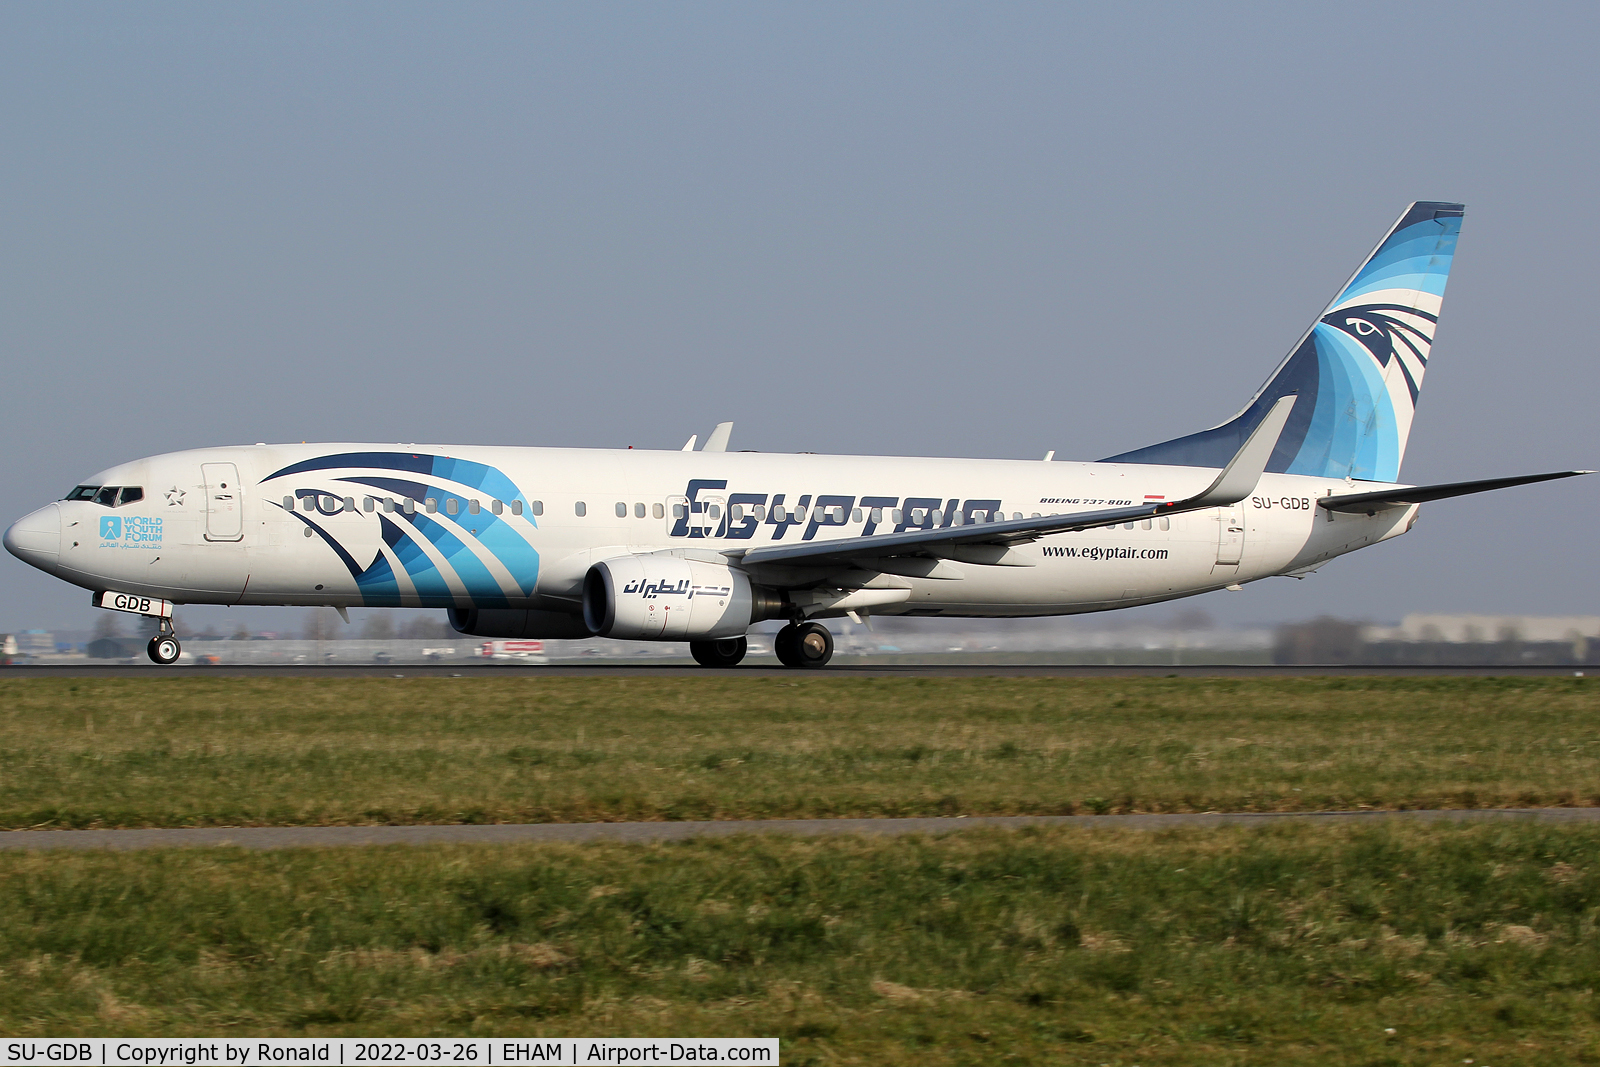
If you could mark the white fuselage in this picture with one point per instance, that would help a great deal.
(352, 525)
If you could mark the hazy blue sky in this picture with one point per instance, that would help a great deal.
(954, 229)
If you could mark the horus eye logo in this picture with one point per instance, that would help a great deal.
(110, 528)
(1390, 332)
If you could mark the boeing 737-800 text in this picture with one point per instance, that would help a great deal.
(697, 546)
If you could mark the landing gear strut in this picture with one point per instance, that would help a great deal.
(164, 648)
(807, 644)
(724, 653)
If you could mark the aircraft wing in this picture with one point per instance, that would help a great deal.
(1237, 480)
(1421, 494)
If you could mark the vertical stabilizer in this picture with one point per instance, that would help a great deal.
(1357, 370)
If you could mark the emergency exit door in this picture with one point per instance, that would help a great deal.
(224, 502)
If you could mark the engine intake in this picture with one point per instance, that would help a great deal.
(668, 598)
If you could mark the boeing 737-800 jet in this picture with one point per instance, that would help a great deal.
(568, 543)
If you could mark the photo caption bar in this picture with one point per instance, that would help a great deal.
(477, 1052)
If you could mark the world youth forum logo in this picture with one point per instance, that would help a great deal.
(110, 528)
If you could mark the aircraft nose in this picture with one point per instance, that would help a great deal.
(35, 538)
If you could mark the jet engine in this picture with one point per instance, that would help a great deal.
(516, 623)
(669, 598)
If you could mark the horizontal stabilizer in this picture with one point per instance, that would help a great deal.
(1421, 494)
(1237, 480)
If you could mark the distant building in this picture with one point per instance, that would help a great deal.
(114, 648)
(1487, 629)
(36, 643)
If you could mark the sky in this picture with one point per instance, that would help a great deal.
(985, 229)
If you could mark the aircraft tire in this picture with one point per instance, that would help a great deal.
(783, 646)
(724, 653)
(164, 649)
(813, 646)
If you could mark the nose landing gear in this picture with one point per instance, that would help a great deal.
(164, 647)
(808, 644)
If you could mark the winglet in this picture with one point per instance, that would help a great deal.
(688, 446)
(1238, 479)
(718, 441)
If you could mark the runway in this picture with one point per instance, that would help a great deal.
(839, 670)
(276, 837)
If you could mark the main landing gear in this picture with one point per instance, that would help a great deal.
(164, 648)
(724, 653)
(807, 644)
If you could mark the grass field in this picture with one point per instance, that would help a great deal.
(1290, 944)
(198, 751)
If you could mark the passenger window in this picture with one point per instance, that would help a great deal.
(538, 507)
(452, 506)
(799, 514)
(473, 508)
(760, 512)
(897, 516)
(580, 509)
(714, 511)
(918, 516)
(388, 504)
(1166, 523)
(877, 515)
(409, 506)
(349, 503)
(131, 494)
(1127, 526)
(638, 511)
(735, 512)
(83, 492)
(680, 510)
(516, 507)
(107, 496)
(431, 505)
(779, 514)
(308, 504)
(496, 507)
(288, 503)
(622, 510)
(1145, 525)
(936, 516)
(658, 511)
(855, 514)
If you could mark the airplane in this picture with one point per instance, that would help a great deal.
(699, 545)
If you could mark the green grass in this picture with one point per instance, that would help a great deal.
(217, 751)
(1276, 945)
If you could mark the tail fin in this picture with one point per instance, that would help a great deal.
(1357, 370)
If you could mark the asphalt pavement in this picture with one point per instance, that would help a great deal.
(773, 670)
(275, 837)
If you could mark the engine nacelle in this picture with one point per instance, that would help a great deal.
(518, 623)
(668, 598)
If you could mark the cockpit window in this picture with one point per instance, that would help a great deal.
(112, 496)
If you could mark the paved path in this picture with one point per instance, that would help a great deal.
(760, 670)
(268, 837)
